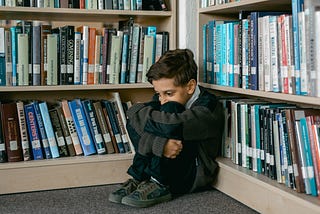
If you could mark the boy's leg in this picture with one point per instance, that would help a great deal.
(176, 175)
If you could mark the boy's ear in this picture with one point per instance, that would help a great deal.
(191, 86)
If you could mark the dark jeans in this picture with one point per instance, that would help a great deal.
(178, 174)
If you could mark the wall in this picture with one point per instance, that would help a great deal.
(187, 24)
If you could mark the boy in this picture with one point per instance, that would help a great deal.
(176, 136)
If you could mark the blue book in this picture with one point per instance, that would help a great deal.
(296, 8)
(49, 129)
(258, 142)
(308, 154)
(33, 131)
(124, 58)
(218, 55)
(82, 127)
(230, 50)
(223, 62)
(114, 124)
(43, 135)
(204, 53)
(210, 51)
(14, 55)
(94, 126)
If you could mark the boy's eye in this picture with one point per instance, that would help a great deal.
(169, 93)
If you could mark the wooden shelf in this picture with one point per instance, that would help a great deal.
(261, 193)
(301, 100)
(66, 172)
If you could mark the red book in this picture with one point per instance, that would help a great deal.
(11, 132)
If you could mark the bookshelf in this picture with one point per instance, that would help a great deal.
(256, 191)
(77, 171)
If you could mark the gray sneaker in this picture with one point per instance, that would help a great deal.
(127, 188)
(148, 193)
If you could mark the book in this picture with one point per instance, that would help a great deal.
(110, 111)
(70, 53)
(104, 127)
(71, 127)
(33, 132)
(77, 58)
(43, 134)
(23, 131)
(84, 30)
(57, 129)
(23, 57)
(45, 30)
(94, 126)
(2, 57)
(124, 58)
(65, 130)
(115, 57)
(82, 127)
(134, 54)
(97, 76)
(52, 59)
(8, 51)
(11, 133)
(91, 54)
(63, 55)
(15, 30)
(36, 53)
(49, 129)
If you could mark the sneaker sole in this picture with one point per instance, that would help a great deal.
(115, 199)
(145, 203)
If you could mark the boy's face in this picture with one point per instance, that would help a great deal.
(167, 91)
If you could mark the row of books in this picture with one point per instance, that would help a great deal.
(267, 51)
(90, 5)
(33, 53)
(280, 141)
(208, 3)
(36, 130)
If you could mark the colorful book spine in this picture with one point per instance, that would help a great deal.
(14, 55)
(33, 131)
(49, 129)
(71, 127)
(2, 57)
(82, 127)
(94, 126)
(23, 131)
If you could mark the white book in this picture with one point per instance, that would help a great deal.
(97, 63)
(266, 55)
(23, 59)
(100, 5)
(77, 60)
(276, 144)
(289, 51)
(115, 59)
(274, 71)
(91, 4)
(23, 131)
(126, 4)
(52, 59)
(10, 3)
(48, 3)
(159, 42)
(85, 38)
(260, 54)
(303, 53)
(147, 55)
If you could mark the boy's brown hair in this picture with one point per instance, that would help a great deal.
(178, 64)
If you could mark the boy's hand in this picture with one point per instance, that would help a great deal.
(172, 148)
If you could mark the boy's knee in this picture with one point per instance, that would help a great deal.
(172, 107)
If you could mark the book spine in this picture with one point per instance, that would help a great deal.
(303, 54)
(36, 53)
(274, 54)
(63, 55)
(317, 45)
(104, 127)
(91, 56)
(114, 124)
(134, 54)
(8, 51)
(85, 38)
(82, 127)
(296, 8)
(70, 54)
(77, 59)
(71, 127)
(115, 59)
(308, 154)
(94, 126)
(45, 30)
(143, 31)
(124, 58)
(33, 131)
(57, 129)
(52, 59)
(65, 130)
(23, 131)
(97, 57)
(14, 55)
(43, 134)
(2, 57)
(10, 127)
(49, 129)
